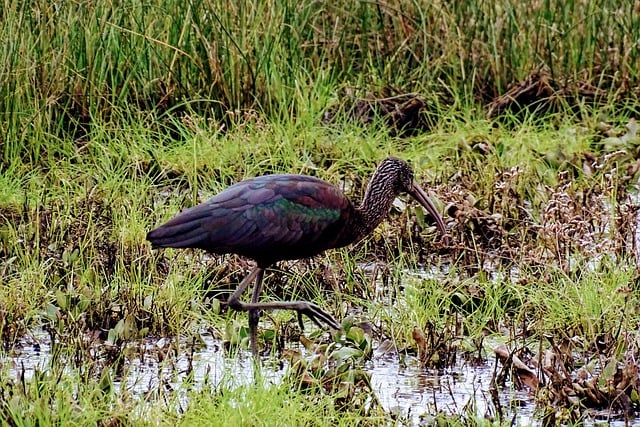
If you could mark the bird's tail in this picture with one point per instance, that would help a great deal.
(185, 230)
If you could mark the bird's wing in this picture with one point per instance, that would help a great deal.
(266, 214)
(269, 213)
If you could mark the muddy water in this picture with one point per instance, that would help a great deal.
(403, 387)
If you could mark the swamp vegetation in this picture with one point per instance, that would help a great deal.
(520, 118)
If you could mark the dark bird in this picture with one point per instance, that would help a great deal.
(281, 217)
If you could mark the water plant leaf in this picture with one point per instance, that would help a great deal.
(347, 323)
(112, 336)
(357, 336)
(52, 311)
(215, 305)
(343, 354)
(608, 373)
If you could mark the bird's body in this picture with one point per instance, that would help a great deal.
(280, 217)
(268, 218)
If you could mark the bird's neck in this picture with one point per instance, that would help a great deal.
(376, 204)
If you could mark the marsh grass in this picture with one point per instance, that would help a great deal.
(115, 118)
(272, 405)
(56, 398)
(75, 262)
(66, 67)
(594, 305)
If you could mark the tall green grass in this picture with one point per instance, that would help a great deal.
(64, 66)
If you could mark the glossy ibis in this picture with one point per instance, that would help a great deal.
(281, 217)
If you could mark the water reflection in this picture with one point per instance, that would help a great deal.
(416, 393)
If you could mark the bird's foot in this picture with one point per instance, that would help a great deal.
(312, 311)
(316, 314)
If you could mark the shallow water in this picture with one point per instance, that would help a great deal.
(403, 387)
(417, 393)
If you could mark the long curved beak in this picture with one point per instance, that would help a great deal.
(419, 194)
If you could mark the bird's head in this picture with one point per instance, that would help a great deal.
(399, 174)
(396, 172)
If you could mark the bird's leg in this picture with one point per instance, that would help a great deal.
(254, 314)
(235, 303)
(234, 300)
(310, 310)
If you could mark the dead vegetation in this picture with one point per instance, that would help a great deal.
(404, 114)
(541, 93)
(571, 380)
